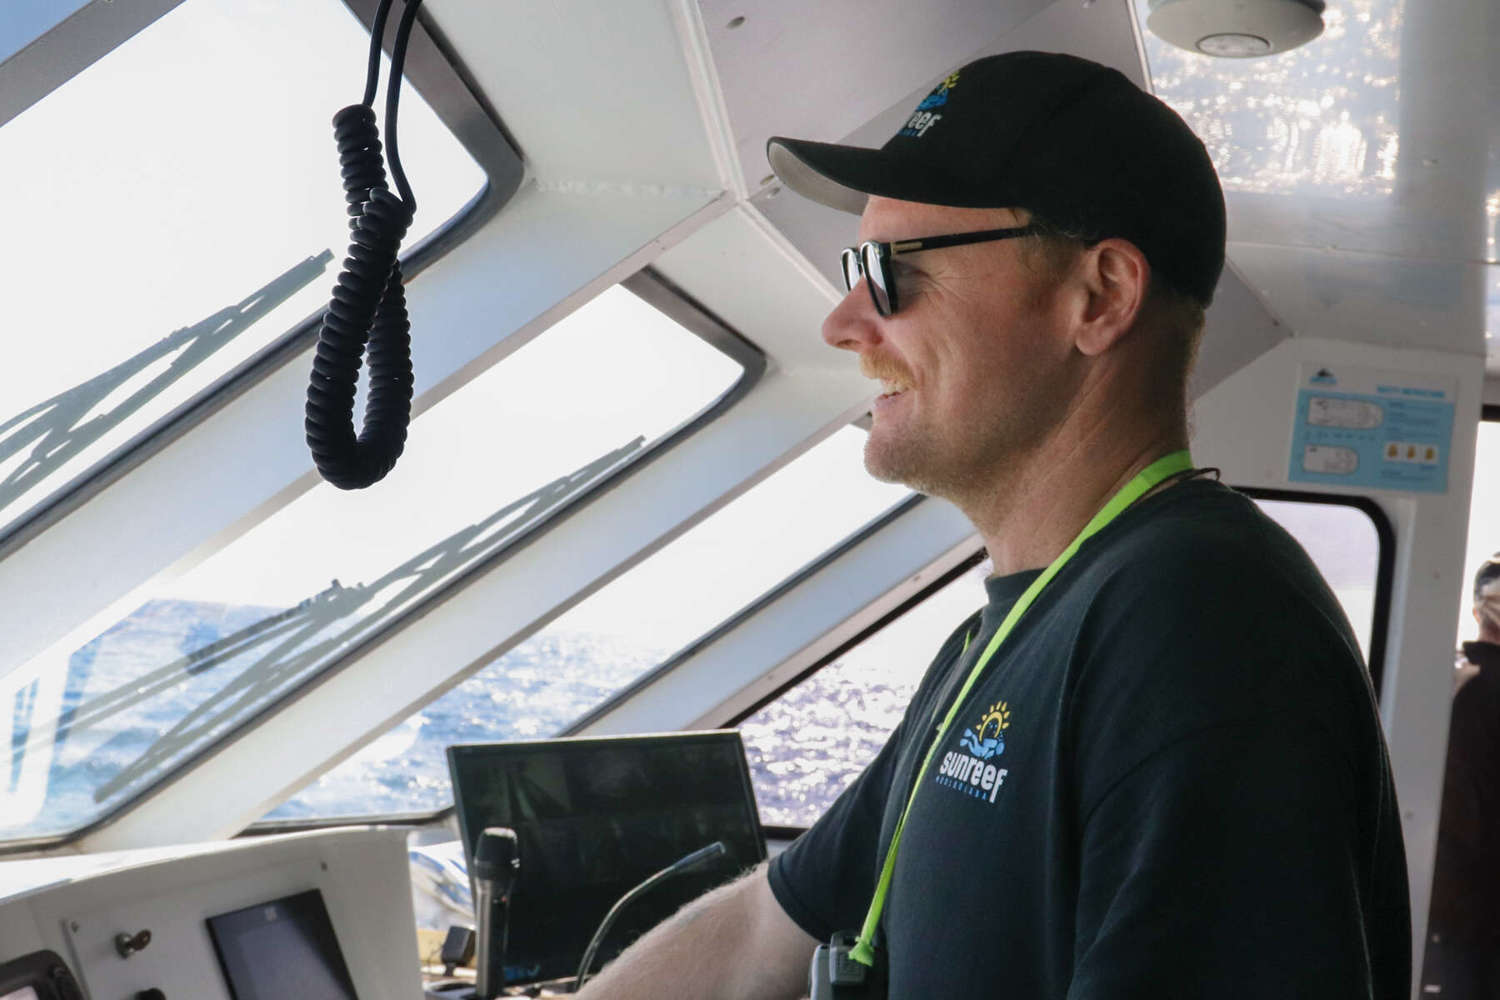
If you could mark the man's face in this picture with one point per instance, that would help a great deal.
(976, 359)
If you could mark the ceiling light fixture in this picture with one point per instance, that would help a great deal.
(1236, 29)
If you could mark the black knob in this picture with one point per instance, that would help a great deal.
(128, 944)
(152, 994)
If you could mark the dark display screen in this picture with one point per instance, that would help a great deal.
(594, 818)
(282, 949)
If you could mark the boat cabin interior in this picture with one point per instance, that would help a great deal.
(632, 497)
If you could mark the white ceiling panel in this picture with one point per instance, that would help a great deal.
(1370, 298)
(598, 96)
(821, 71)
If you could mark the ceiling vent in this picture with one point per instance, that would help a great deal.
(1236, 29)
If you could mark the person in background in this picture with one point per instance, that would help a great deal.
(1463, 928)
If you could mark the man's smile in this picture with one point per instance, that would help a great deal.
(893, 381)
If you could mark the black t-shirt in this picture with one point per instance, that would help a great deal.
(1169, 782)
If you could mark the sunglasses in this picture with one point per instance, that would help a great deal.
(872, 260)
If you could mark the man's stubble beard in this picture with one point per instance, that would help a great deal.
(952, 467)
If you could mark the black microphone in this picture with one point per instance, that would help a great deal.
(496, 864)
(700, 858)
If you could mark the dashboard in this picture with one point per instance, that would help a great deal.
(136, 925)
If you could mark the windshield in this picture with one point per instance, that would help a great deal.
(196, 652)
(613, 638)
(182, 210)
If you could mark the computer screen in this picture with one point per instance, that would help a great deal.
(281, 949)
(594, 818)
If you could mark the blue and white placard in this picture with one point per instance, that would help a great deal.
(1368, 428)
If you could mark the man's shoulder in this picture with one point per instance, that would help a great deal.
(1204, 588)
(1205, 615)
(1201, 535)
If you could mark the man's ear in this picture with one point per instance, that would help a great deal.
(1115, 277)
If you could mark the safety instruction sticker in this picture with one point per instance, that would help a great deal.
(1362, 427)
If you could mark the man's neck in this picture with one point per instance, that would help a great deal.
(1040, 503)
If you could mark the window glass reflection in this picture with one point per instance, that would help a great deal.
(1320, 119)
(182, 211)
(193, 654)
(612, 638)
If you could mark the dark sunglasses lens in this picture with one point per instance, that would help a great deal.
(850, 259)
(879, 278)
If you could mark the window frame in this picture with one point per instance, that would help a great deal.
(69, 47)
(656, 291)
(434, 70)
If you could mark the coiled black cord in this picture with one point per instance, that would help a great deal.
(368, 311)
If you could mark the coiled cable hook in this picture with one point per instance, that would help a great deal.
(367, 314)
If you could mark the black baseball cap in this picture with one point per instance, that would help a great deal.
(1073, 142)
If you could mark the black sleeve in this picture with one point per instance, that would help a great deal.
(1237, 829)
(1223, 866)
(825, 880)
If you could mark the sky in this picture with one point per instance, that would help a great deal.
(25, 20)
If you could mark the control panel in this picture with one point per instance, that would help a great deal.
(136, 925)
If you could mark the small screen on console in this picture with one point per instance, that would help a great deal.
(594, 818)
(282, 949)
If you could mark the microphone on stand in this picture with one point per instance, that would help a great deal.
(496, 864)
(700, 858)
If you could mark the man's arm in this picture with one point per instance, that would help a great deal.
(735, 943)
(1234, 864)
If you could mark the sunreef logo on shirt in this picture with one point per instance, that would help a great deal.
(972, 773)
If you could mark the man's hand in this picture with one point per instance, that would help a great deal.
(735, 943)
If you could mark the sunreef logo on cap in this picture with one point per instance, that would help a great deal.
(926, 114)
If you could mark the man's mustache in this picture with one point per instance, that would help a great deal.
(883, 369)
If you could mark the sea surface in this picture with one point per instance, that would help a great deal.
(149, 693)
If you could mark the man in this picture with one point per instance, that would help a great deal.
(1463, 943)
(1166, 776)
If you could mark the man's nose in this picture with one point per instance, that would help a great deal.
(853, 325)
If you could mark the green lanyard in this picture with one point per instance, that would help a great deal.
(1152, 476)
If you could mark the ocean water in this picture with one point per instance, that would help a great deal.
(154, 689)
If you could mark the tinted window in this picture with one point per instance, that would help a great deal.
(193, 653)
